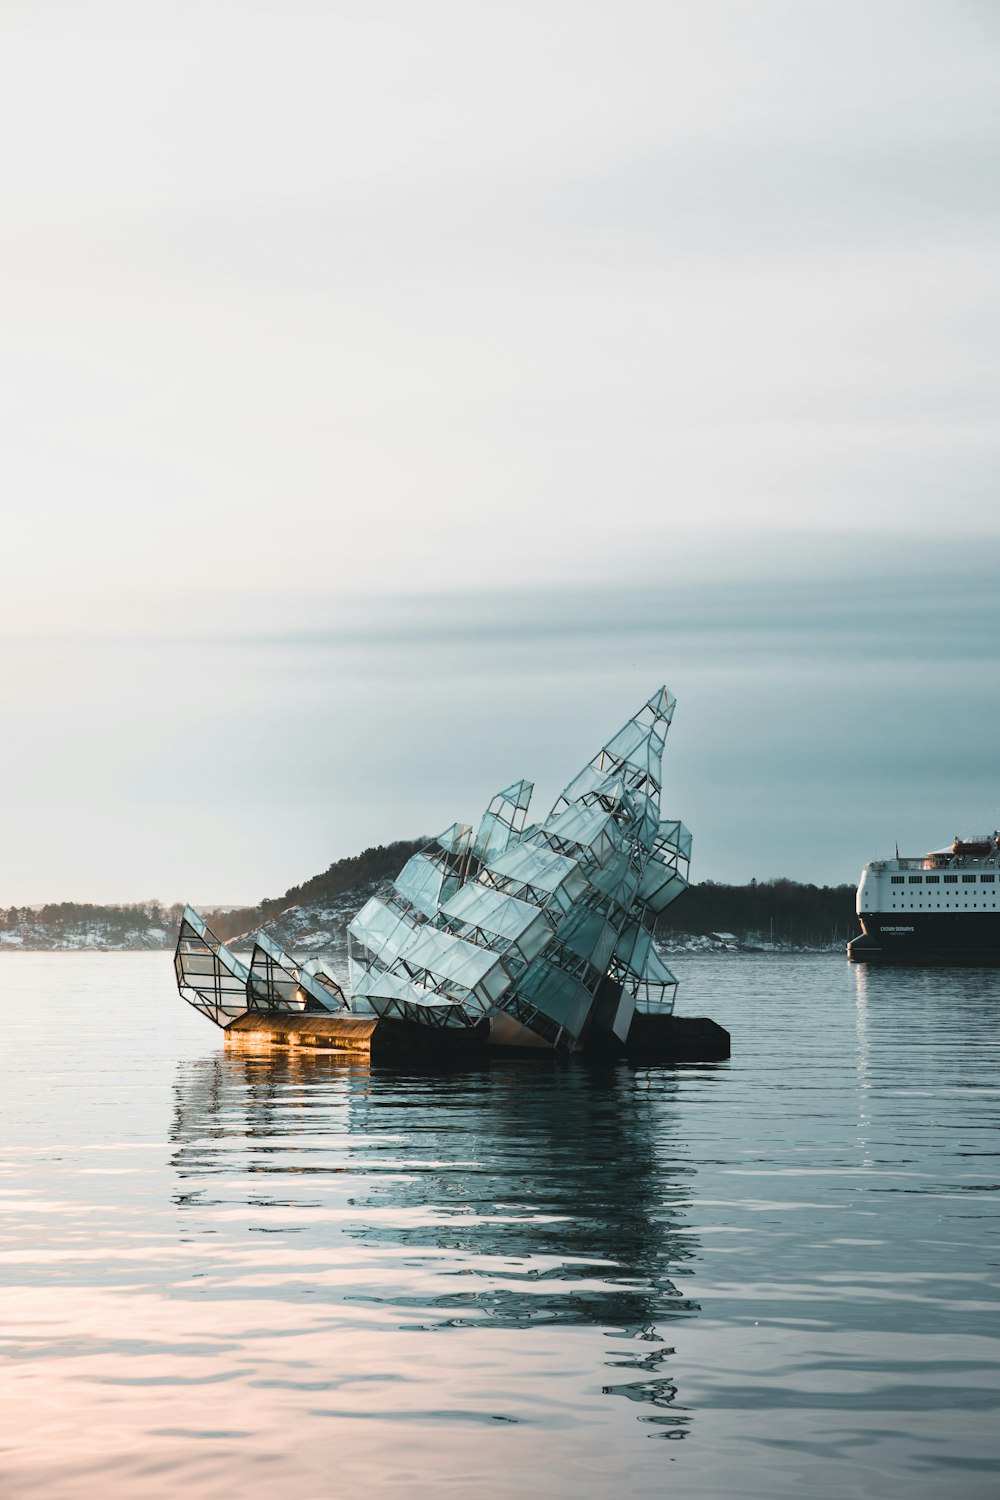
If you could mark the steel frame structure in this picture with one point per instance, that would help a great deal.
(212, 979)
(572, 947)
(546, 929)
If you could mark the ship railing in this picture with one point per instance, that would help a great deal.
(934, 862)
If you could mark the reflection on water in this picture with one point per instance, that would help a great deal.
(521, 1193)
(239, 1273)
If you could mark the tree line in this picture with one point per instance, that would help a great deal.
(779, 911)
(62, 917)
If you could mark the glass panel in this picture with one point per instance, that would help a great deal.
(209, 976)
(503, 821)
(456, 839)
(420, 882)
(320, 983)
(532, 864)
(660, 885)
(380, 929)
(493, 910)
(273, 982)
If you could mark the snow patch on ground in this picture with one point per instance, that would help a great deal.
(320, 931)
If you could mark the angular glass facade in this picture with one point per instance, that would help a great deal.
(535, 934)
(546, 931)
(209, 977)
(212, 979)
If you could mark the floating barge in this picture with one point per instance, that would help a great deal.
(652, 1039)
(506, 938)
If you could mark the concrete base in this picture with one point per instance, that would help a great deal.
(651, 1039)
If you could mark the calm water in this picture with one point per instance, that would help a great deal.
(229, 1273)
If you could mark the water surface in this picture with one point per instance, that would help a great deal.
(259, 1273)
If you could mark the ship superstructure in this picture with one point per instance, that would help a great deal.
(941, 907)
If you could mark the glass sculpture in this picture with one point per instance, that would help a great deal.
(530, 935)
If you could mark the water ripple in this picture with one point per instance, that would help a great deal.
(226, 1270)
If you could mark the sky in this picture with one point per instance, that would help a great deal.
(394, 396)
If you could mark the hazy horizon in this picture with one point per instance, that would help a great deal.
(842, 691)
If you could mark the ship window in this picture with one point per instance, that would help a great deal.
(916, 880)
(987, 879)
(897, 879)
(951, 880)
(933, 879)
(968, 879)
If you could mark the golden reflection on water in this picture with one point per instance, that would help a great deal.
(281, 1273)
(342, 1253)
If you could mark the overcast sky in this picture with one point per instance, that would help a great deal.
(395, 395)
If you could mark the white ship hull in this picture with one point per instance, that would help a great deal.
(941, 908)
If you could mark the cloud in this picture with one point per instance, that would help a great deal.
(395, 396)
(819, 707)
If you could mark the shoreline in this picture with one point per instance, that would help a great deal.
(696, 947)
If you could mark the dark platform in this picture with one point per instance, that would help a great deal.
(652, 1039)
(676, 1039)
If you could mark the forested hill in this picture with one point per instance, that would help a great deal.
(312, 917)
(783, 912)
(358, 875)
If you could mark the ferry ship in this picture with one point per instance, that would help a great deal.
(943, 907)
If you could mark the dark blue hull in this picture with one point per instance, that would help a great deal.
(960, 937)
